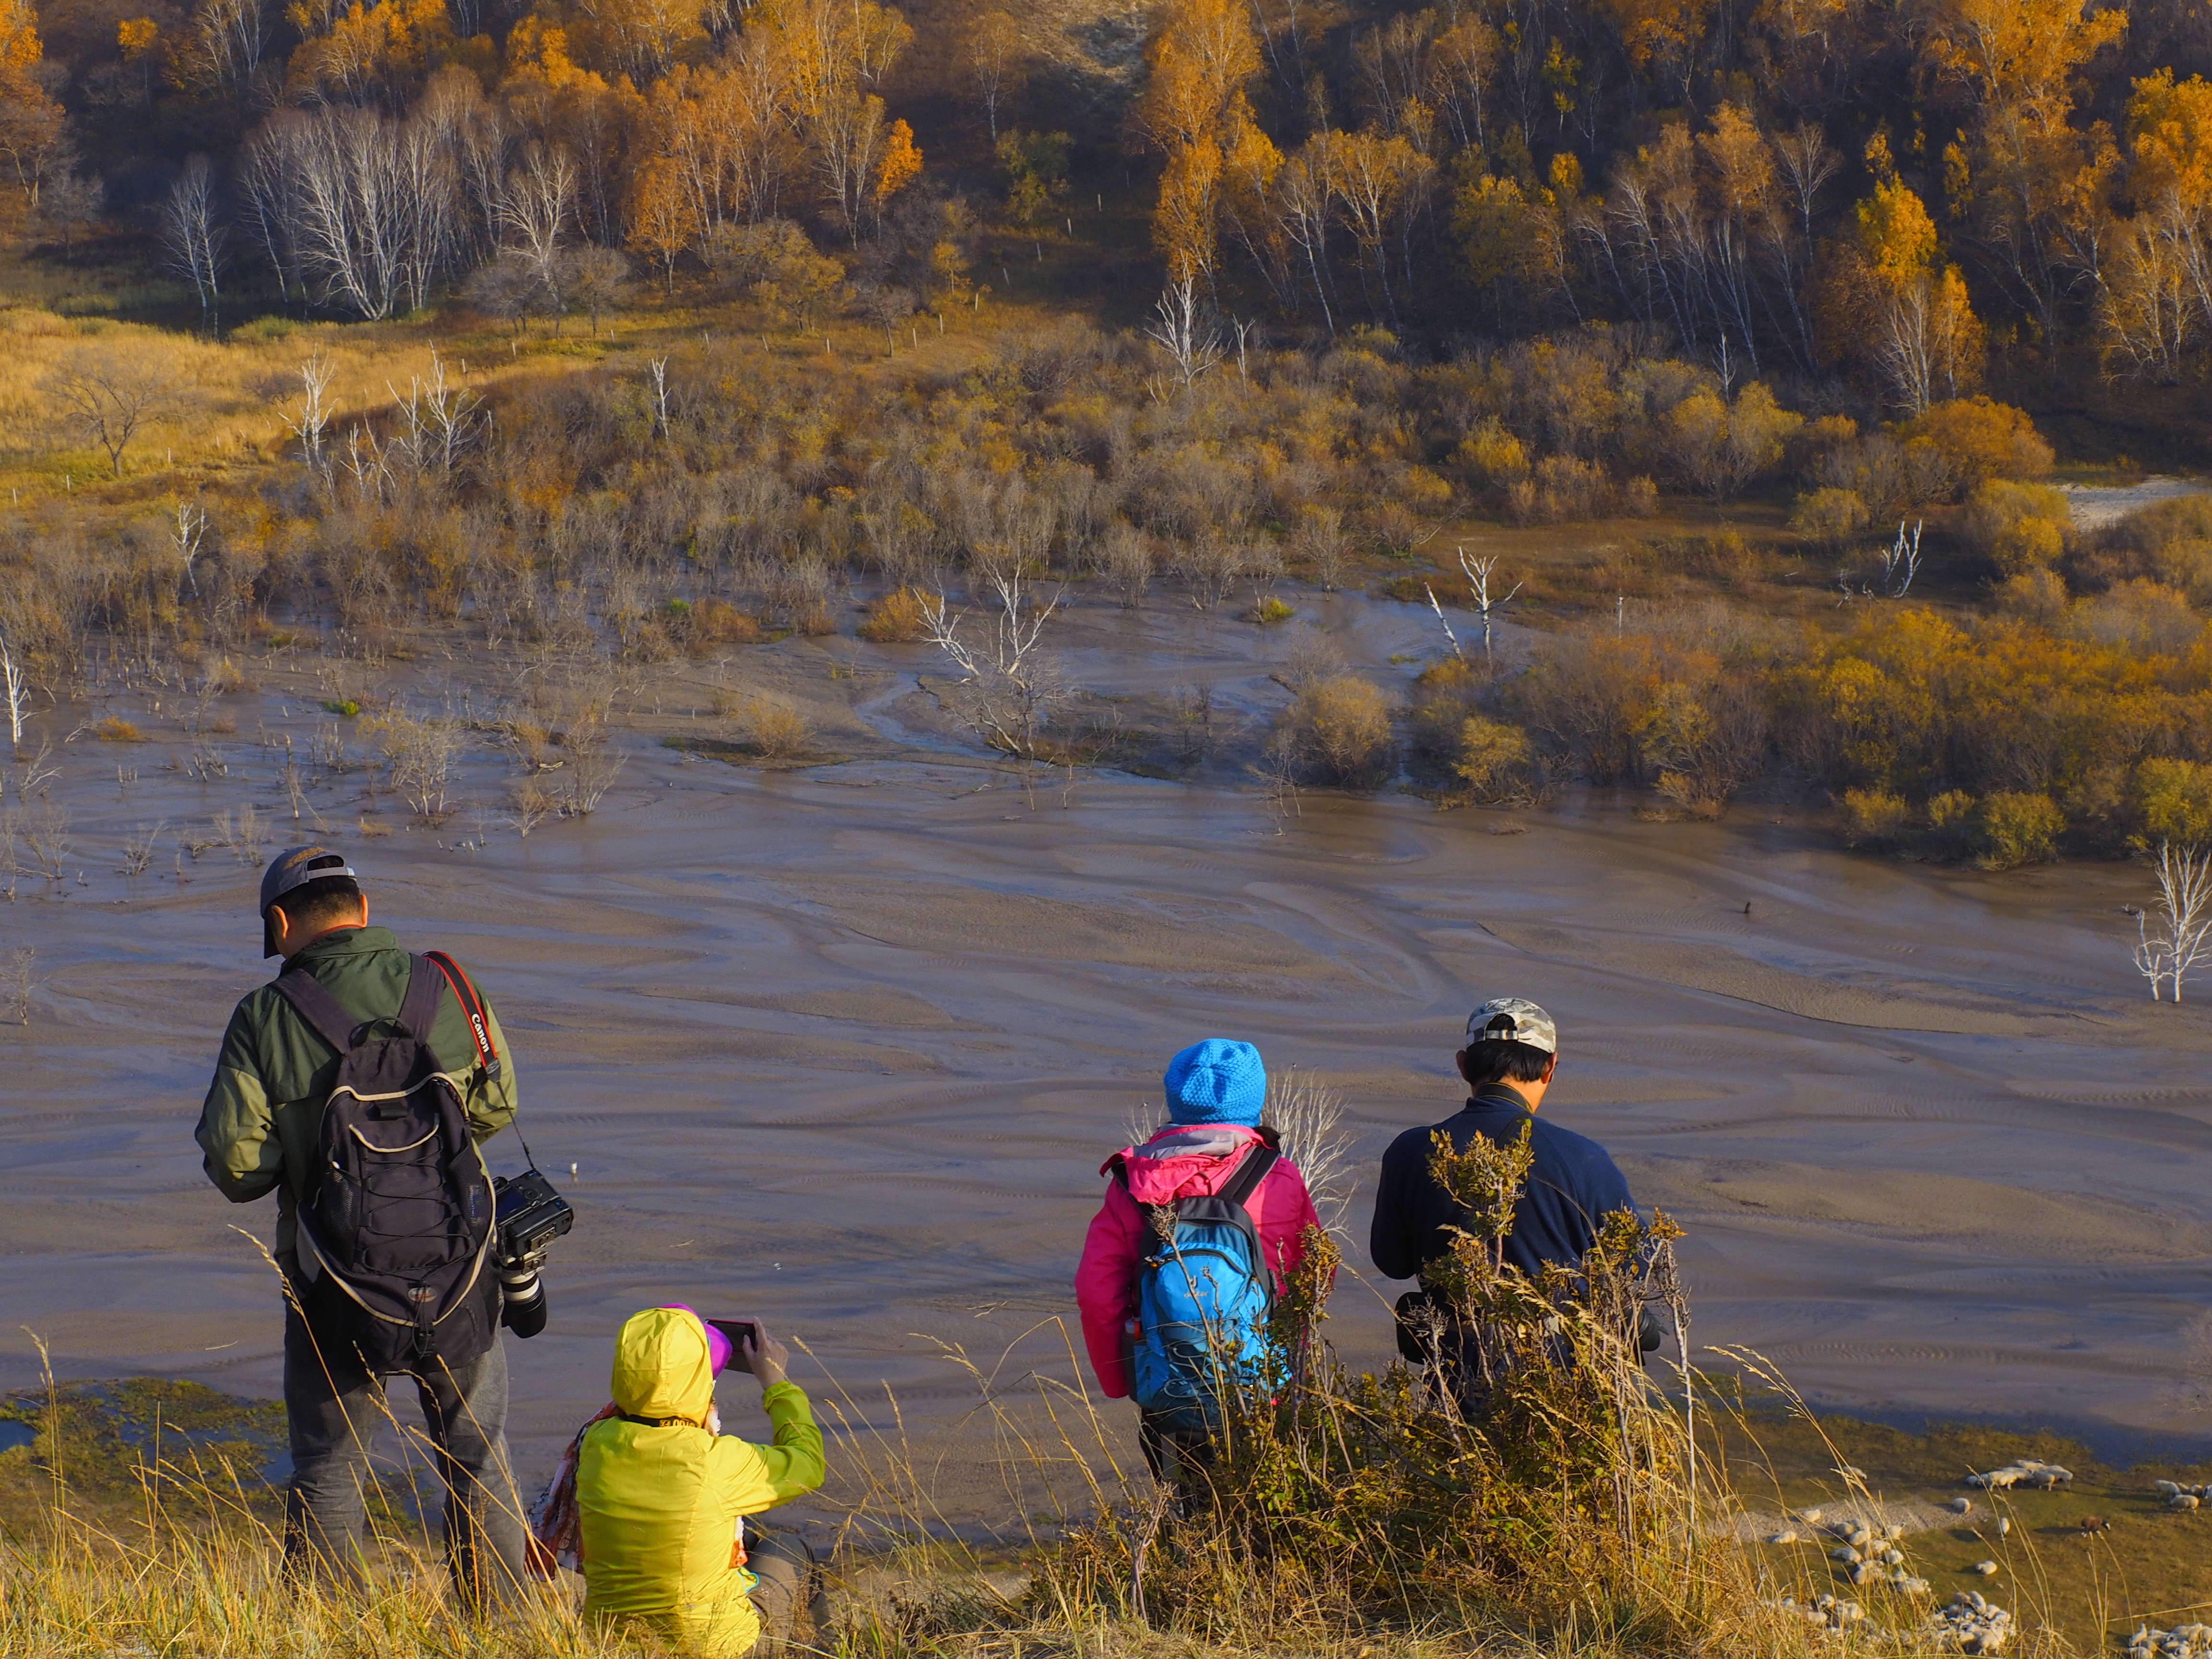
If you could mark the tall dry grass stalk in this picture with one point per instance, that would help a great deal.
(1307, 1116)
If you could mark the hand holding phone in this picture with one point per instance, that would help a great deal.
(744, 1336)
(765, 1357)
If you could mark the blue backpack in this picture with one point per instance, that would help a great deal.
(1203, 1293)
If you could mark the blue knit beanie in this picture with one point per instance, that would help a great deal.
(1217, 1081)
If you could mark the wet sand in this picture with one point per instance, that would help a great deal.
(844, 1047)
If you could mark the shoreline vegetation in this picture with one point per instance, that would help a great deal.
(1596, 1508)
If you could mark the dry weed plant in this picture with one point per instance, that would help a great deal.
(20, 961)
(774, 727)
(418, 757)
(45, 836)
(138, 849)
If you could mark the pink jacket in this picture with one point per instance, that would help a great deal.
(1176, 1163)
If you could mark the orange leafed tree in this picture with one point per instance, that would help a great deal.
(901, 164)
(2028, 184)
(30, 121)
(1194, 111)
(656, 215)
(1906, 305)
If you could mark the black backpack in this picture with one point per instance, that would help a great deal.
(399, 1206)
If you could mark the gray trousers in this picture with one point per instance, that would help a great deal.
(790, 1584)
(333, 1408)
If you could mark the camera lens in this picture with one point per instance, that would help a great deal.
(524, 1295)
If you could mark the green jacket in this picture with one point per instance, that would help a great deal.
(264, 1108)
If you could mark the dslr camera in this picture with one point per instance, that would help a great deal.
(527, 1216)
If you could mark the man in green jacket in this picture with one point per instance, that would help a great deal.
(259, 1129)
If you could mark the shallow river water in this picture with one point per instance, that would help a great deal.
(844, 1047)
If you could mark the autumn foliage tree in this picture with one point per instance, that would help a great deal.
(31, 132)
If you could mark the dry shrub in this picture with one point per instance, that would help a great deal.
(1980, 439)
(531, 743)
(1951, 818)
(1496, 761)
(2021, 526)
(897, 619)
(1565, 488)
(2017, 828)
(795, 594)
(224, 678)
(1445, 695)
(1338, 732)
(1873, 818)
(116, 729)
(1829, 517)
(773, 727)
(706, 623)
(1494, 457)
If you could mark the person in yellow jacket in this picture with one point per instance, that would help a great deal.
(659, 1489)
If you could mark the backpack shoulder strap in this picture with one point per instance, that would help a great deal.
(313, 1002)
(471, 1001)
(418, 1009)
(1249, 1174)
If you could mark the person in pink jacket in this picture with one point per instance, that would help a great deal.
(1216, 1091)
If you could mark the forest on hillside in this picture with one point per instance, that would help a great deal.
(1181, 300)
(1895, 195)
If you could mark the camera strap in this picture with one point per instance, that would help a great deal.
(464, 993)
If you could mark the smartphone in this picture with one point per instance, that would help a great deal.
(743, 1333)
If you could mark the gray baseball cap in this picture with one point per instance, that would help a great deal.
(1513, 1019)
(295, 867)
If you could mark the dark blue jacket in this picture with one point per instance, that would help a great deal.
(1572, 1186)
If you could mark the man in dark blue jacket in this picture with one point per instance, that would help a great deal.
(1512, 1049)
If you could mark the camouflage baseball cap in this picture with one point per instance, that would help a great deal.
(1513, 1019)
(295, 867)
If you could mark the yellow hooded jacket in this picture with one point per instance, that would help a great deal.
(659, 1500)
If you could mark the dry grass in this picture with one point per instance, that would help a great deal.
(234, 395)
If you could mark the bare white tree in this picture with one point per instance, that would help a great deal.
(226, 42)
(367, 203)
(994, 61)
(659, 369)
(439, 419)
(1009, 683)
(191, 529)
(533, 212)
(1186, 331)
(314, 418)
(18, 694)
(1477, 576)
(1446, 625)
(194, 237)
(264, 184)
(1900, 562)
(2166, 954)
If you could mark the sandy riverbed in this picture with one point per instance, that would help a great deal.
(844, 1045)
